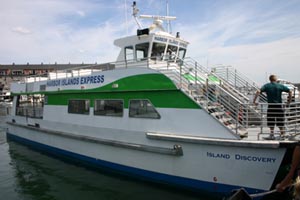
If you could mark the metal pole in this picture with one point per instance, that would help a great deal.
(235, 78)
(261, 119)
(237, 118)
(180, 77)
(196, 78)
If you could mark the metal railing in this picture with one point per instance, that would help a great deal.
(227, 103)
(238, 80)
(217, 97)
(284, 118)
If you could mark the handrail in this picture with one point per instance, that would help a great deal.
(175, 150)
(231, 72)
(197, 82)
(233, 104)
(238, 80)
(287, 118)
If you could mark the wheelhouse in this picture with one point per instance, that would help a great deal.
(158, 46)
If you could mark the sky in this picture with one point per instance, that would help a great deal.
(257, 37)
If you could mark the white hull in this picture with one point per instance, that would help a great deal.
(215, 168)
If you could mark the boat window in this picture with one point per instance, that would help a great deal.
(158, 51)
(181, 53)
(171, 52)
(30, 105)
(79, 107)
(141, 51)
(142, 109)
(129, 53)
(109, 107)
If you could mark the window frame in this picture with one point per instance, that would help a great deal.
(144, 50)
(132, 56)
(121, 100)
(142, 117)
(79, 113)
(181, 53)
(156, 53)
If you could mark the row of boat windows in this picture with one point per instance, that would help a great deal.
(159, 51)
(138, 108)
(32, 106)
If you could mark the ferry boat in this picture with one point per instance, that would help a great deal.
(156, 115)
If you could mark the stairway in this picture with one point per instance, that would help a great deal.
(219, 98)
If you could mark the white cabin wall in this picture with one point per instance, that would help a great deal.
(177, 121)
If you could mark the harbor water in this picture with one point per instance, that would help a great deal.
(27, 174)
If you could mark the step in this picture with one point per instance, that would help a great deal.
(240, 131)
(215, 107)
(225, 119)
(243, 133)
(217, 114)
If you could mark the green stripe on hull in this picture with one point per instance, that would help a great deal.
(160, 99)
(141, 82)
(158, 88)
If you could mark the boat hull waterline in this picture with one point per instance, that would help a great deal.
(199, 168)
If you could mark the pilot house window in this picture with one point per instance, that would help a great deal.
(79, 107)
(142, 109)
(129, 56)
(158, 51)
(142, 51)
(181, 53)
(171, 52)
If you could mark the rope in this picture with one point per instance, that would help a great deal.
(262, 193)
(269, 192)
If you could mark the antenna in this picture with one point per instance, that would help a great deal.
(157, 20)
(126, 19)
(167, 13)
(135, 12)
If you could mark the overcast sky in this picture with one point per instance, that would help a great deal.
(257, 37)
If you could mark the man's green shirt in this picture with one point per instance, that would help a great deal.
(274, 91)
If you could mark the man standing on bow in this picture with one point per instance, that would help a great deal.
(275, 113)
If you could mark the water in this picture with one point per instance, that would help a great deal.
(26, 174)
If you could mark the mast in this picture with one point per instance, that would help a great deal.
(167, 14)
(126, 19)
(135, 12)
